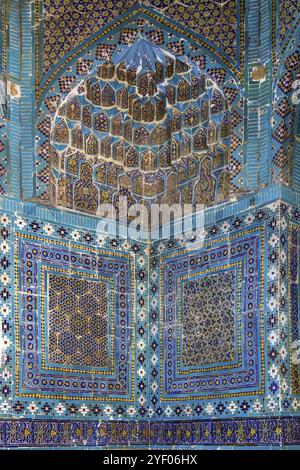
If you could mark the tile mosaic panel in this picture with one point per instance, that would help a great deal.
(83, 18)
(78, 321)
(113, 342)
(285, 115)
(255, 270)
(180, 379)
(97, 380)
(267, 389)
(72, 345)
(218, 22)
(288, 13)
(3, 151)
(3, 101)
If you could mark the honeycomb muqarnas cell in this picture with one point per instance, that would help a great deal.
(183, 329)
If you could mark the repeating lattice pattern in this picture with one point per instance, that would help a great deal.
(78, 322)
(209, 318)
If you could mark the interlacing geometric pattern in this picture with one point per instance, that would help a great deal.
(216, 22)
(294, 263)
(188, 340)
(288, 11)
(227, 389)
(198, 377)
(207, 433)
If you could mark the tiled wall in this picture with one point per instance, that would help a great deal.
(238, 387)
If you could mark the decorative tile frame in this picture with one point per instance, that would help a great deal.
(285, 166)
(39, 255)
(230, 46)
(180, 266)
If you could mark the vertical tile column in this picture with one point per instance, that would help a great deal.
(14, 79)
(258, 92)
(27, 99)
(3, 99)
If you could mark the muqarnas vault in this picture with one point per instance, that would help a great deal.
(135, 341)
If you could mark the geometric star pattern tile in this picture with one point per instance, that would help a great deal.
(107, 183)
(78, 321)
(209, 319)
(294, 271)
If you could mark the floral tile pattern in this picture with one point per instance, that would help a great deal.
(208, 318)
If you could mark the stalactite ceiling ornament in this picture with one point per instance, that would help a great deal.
(144, 120)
